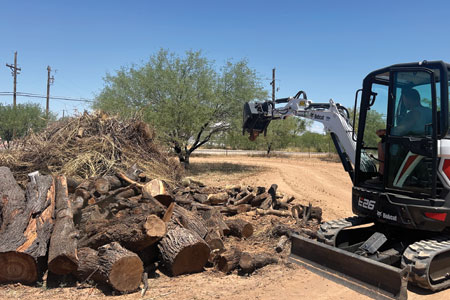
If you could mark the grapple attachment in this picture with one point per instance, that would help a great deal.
(256, 118)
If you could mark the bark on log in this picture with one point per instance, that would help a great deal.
(114, 181)
(279, 213)
(62, 254)
(102, 185)
(259, 199)
(246, 199)
(266, 204)
(190, 221)
(133, 231)
(72, 184)
(228, 261)
(214, 219)
(218, 198)
(232, 210)
(240, 228)
(122, 268)
(183, 251)
(157, 189)
(281, 243)
(214, 240)
(249, 263)
(26, 227)
(88, 266)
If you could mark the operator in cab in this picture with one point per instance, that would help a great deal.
(411, 120)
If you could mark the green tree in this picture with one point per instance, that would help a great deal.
(374, 121)
(187, 99)
(21, 120)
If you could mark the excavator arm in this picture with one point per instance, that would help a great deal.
(334, 117)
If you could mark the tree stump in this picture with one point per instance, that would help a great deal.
(183, 251)
(122, 268)
(62, 254)
(26, 227)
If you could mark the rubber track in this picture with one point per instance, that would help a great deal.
(329, 230)
(419, 256)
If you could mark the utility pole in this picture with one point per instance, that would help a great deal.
(50, 81)
(14, 71)
(273, 85)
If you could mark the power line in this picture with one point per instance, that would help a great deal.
(31, 95)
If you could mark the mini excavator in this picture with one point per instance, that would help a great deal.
(400, 231)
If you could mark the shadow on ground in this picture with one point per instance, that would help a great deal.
(204, 168)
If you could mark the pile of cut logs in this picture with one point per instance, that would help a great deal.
(115, 229)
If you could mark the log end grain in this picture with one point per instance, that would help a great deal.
(126, 273)
(184, 262)
(63, 265)
(17, 267)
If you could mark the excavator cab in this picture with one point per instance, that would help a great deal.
(409, 101)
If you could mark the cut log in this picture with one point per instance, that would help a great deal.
(266, 204)
(246, 199)
(102, 185)
(259, 199)
(249, 263)
(183, 251)
(122, 268)
(72, 184)
(214, 240)
(201, 198)
(88, 266)
(26, 227)
(189, 220)
(281, 243)
(279, 213)
(231, 210)
(133, 231)
(157, 189)
(62, 254)
(273, 191)
(218, 198)
(214, 219)
(240, 228)
(228, 261)
(114, 181)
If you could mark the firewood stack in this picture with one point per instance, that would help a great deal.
(111, 229)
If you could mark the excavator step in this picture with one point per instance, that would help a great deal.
(354, 271)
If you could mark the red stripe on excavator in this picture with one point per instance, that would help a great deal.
(446, 168)
(436, 216)
(410, 160)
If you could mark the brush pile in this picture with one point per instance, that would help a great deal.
(90, 145)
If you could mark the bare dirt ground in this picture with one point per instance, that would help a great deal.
(321, 182)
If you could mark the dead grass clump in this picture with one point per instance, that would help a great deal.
(91, 145)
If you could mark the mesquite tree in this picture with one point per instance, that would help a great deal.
(186, 98)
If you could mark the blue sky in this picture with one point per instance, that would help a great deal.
(323, 47)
